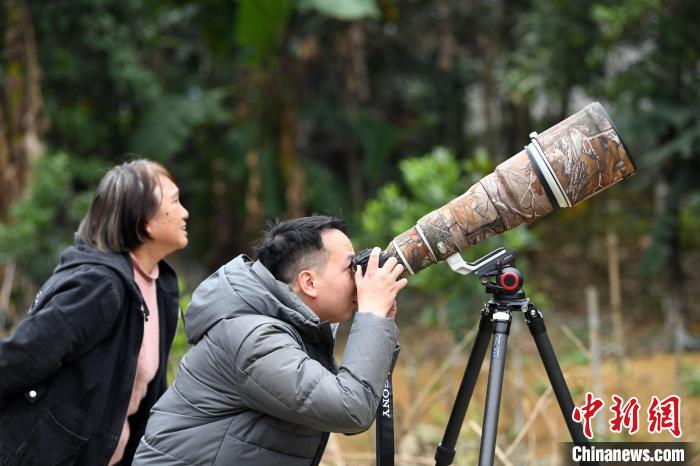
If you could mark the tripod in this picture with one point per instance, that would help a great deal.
(496, 316)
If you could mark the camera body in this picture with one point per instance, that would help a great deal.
(361, 260)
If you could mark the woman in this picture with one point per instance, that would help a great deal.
(81, 372)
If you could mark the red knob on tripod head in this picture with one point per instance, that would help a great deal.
(510, 279)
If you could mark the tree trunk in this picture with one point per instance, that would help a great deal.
(292, 171)
(7, 315)
(669, 197)
(352, 51)
(447, 45)
(592, 307)
(616, 297)
(21, 120)
(223, 236)
(667, 204)
(487, 47)
(253, 202)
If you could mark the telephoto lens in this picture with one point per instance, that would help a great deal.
(561, 167)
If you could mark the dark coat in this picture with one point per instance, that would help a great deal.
(260, 387)
(67, 372)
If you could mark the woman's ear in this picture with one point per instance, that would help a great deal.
(306, 281)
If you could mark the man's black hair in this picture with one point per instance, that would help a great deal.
(290, 246)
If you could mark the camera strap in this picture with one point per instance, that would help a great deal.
(385, 419)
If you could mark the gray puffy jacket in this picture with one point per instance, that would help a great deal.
(259, 386)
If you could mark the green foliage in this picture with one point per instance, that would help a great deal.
(690, 377)
(378, 139)
(202, 85)
(684, 145)
(541, 386)
(324, 192)
(170, 123)
(573, 357)
(568, 62)
(260, 28)
(690, 223)
(95, 76)
(180, 344)
(655, 86)
(617, 17)
(439, 295)
(42, 224)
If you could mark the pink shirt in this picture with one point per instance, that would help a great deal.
(149, 355)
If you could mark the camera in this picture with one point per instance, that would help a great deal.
(362, 259)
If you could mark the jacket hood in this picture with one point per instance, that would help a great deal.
(81, 254)
(243, 287)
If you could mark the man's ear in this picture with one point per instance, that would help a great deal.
(306, 281)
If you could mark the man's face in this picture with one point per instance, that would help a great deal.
(336, 295)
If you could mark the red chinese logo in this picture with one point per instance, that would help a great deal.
(587, 412)
(661, 415)
(625, 415)
(665, 415)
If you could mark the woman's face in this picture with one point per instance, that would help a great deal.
(168, 227)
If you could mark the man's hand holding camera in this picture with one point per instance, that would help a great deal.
(378, 287)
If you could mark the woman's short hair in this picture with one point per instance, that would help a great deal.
(125, 200)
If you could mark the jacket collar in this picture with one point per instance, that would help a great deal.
(81, 253)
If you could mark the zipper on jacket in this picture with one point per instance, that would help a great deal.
(145, 311)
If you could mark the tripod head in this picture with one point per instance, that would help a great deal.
(498, 264)
(508, 280)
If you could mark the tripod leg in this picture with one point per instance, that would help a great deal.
(535, 323)
(446, 450)
(493, 392)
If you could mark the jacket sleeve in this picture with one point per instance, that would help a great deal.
(81, 312)
(277, 377)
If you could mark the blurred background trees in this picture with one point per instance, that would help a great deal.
(374, 110)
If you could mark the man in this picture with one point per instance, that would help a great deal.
(260, 386)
